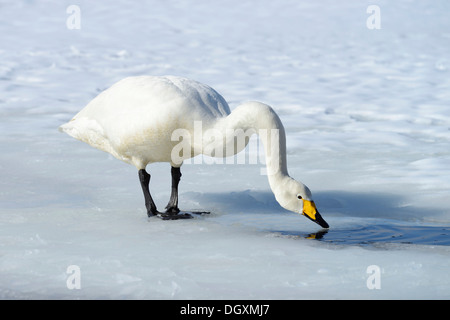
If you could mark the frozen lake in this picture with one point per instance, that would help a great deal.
(367, 119)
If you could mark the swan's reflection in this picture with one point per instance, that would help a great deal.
(378, 234)
(317, 235)
(406, 234)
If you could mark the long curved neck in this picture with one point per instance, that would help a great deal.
(259, 118)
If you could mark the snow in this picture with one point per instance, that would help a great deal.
(368, 130)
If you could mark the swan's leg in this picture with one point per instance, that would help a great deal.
(144, 178)
(172, 206)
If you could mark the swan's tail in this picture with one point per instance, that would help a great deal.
(88, 131)
(81, 128)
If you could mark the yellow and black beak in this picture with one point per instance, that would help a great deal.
(310, 211)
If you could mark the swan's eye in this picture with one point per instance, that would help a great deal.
(299, 196)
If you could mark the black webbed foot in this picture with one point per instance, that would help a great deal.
(173, 216)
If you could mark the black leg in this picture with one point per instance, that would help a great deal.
(144, 178)
(172, 206)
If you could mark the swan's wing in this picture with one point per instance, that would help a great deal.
(201, 96)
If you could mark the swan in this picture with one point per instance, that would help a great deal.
(136, 118)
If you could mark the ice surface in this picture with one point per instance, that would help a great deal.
(368, 127)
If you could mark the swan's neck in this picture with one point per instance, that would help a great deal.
(255, 117)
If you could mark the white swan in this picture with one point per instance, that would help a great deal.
(135, 118)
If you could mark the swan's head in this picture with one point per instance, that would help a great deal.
(295, 196)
